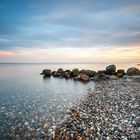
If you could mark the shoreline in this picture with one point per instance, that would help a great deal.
(110, 112)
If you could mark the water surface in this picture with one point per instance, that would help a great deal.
(28, 101)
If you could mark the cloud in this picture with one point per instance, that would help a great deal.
(52, 24)
(96, 54)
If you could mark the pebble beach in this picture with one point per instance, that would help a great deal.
(111, 112)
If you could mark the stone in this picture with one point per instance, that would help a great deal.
(60, 70)
(57, 74)
(100, 76)
(120, 71)
(119, 75)
(67, 74)
(83, 77)
(46, 72)
(101, 72)
(90, 73)
(133, 136)
(26, 123)
(111, 69)
(45, 125)
(133, 71)
(53, 72)
(68, 71)
(75, 72)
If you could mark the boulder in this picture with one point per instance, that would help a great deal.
(90, 73)
(111, 69)
(83, 77)
(53, 72)
(133, 71)
(82, 71)
(101, 72)
(67, 74)
(60, 70)
(46, 72)
(100, 76)
(68, 71)
(121, 71)
(75, 72)
(57, 74)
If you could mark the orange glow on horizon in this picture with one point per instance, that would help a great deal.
(5, 53)
(88, 54)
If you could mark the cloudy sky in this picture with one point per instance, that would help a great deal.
(69, 30)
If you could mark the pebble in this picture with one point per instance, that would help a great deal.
(110, 112)
(101, 115)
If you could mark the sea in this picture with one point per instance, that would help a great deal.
(28, 101)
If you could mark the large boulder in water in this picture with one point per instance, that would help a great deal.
(100, 76)
(90, 73)
(46, 72)
(60, 70)
(83, 77)
(75, 72)
(67, 74)
(57, 74)
(111, 69)
(53, 72)
(133, 71)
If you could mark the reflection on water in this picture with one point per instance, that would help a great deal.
(28, 101)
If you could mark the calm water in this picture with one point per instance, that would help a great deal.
(27, 100)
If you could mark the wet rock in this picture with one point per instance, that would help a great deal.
(133, 71)
(83, 77)
(119, 75)
(46, 72)
(75, 72)
(53, 72)
(67, 74)
(111, 69)
(100, 76)
(120, 71)
(60, 70)
(57, 74)
(90, 73)
(133, 136)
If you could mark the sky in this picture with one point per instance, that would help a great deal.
(70, 31)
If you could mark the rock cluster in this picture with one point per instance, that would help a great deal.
(86, 75)
(112, 112)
